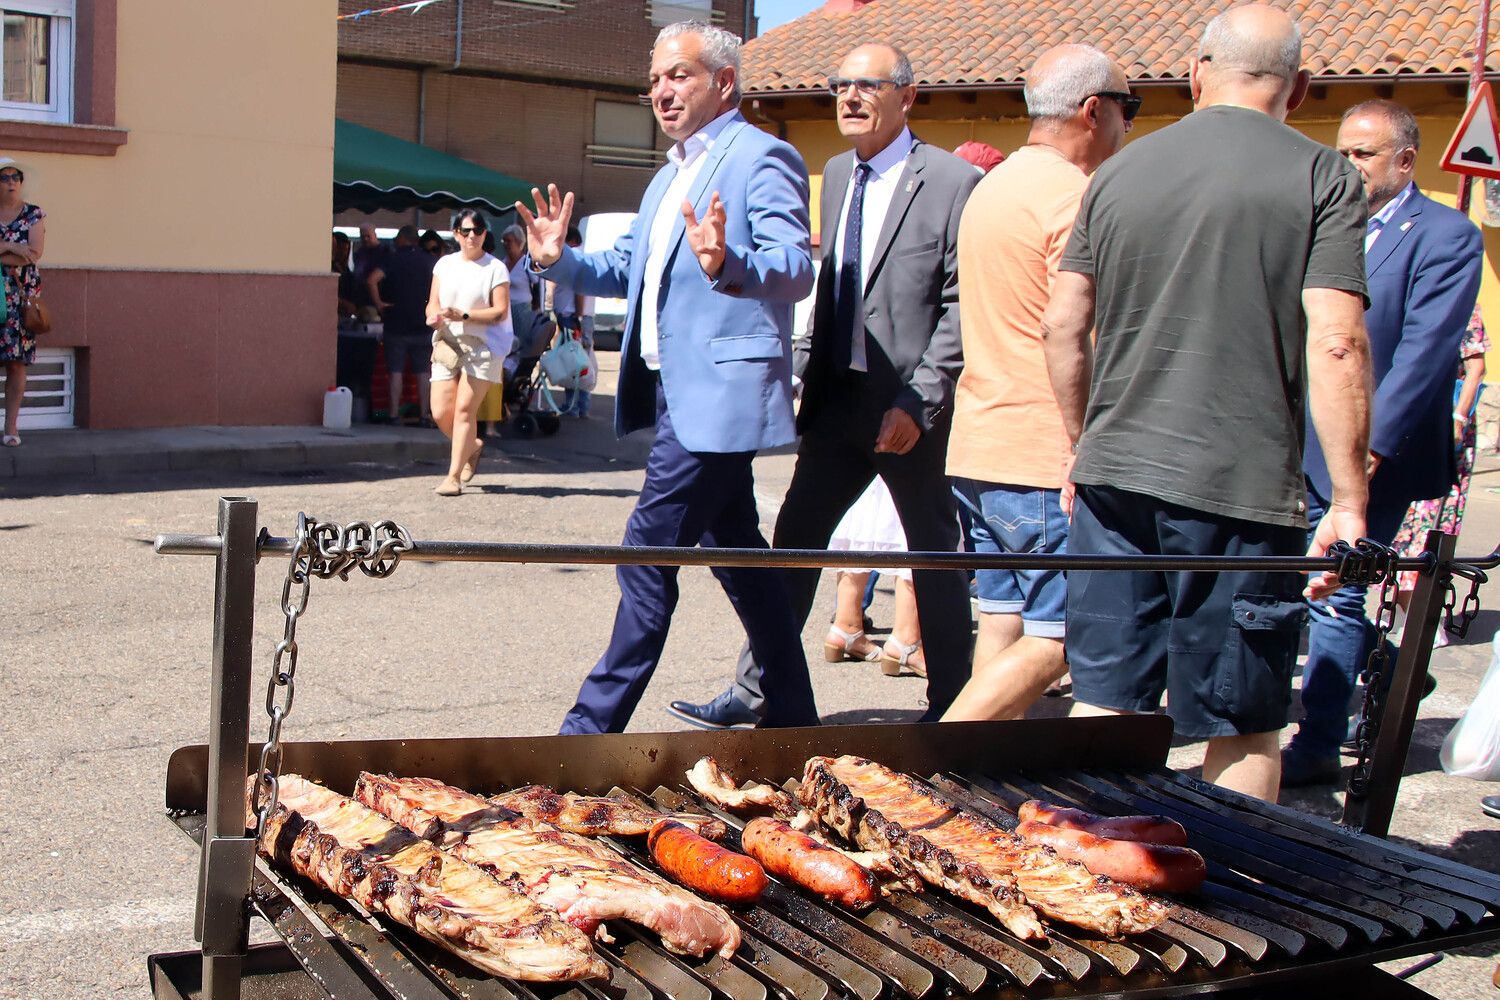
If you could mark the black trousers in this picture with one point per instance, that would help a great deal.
(836, 461)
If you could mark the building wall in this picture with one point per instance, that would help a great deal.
(190, 269)
(530, 130)
(999, 119)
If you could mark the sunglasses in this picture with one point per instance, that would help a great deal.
(8, 178)
(864, 84)
(469, 230)
(1130, 104)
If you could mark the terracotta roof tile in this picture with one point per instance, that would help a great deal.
(993, 42)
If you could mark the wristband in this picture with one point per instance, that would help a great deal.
(1460, 416)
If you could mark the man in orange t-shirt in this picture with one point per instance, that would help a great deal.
(1008, 447)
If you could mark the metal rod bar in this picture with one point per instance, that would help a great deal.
(623, 555)
(1372, 812)
(224, 874)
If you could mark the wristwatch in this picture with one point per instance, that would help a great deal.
(466, 315)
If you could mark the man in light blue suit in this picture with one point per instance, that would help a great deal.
(710, 270)
(1423, 263)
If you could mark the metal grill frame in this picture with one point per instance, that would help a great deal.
(227, 873)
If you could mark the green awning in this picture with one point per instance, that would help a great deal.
(373, 171)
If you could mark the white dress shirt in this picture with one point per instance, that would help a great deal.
(885, 170)
(688, 157)
(1379, 220)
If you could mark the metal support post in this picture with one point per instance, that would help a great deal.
(224, 875)
(1372, 812)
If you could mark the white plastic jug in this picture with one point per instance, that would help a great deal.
(338, 405)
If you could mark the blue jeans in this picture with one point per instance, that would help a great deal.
(1020, 520)
(1337, 647)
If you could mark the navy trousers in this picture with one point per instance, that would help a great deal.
(1338, 646)
(691, 498)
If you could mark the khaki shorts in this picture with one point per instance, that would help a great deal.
(477, 361)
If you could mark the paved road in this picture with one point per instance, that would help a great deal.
(106, 662)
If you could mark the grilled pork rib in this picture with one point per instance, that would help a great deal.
(593, 815)
(359, 854)
(967, 854)
(719, 787)
(582, 879)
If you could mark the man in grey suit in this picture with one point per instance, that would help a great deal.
(879, 366)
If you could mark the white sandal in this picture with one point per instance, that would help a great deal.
(839, 646)
(894, 664)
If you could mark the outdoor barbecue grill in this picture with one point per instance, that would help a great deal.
(1290, 899)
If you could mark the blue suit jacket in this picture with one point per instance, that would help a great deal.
(725, 345)
(1423, 271)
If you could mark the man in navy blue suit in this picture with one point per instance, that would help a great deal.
(1422, 260)
(710, 270)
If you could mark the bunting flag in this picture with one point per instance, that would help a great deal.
(413, 6)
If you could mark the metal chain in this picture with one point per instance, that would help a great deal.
(1369, 562)
(1457, 621)
(321, 550)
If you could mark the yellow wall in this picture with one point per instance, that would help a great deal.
(1437, 109)
(229, 163)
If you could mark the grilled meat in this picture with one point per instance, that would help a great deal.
(719, 787)
(593, 815)
(359, 854)
(967, 854)
(582, 879)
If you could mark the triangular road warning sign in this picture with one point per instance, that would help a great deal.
(1475, 148)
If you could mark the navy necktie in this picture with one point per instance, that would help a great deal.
(848, 324)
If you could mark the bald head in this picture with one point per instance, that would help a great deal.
(1255, 40)
(1065, 76)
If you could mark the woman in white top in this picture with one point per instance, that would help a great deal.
(469, 311)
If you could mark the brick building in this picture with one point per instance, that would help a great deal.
(543, 90)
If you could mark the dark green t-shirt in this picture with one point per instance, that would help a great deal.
(1200, 239)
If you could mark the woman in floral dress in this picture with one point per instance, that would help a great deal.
(22, 233)
(1447, 513)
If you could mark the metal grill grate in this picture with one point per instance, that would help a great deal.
(1289, 897)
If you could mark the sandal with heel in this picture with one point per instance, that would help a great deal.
(897, 658)
(840, 647)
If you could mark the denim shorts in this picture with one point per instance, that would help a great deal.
(1222, 646)
(1019, 520)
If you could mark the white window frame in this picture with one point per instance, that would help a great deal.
(64, 21)
(638, 157)
(664, 12)
(61, 414)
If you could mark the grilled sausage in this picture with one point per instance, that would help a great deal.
(1153, 867)
(1144, 829)
(814, 866)
(704, 866)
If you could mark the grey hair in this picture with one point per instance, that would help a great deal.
(514, 231)
(720, 48)
(1229, 48)
(1077, 75)
(1403, 123)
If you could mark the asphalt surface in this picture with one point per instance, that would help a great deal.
(106, 652)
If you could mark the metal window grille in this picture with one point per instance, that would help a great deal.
(665, 12)
(557, 5)
(48, 402)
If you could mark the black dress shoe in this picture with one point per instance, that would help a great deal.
(724, 712)
(1301, 769)
(1491, 805)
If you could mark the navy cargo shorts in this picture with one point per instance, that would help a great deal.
(1222, 646)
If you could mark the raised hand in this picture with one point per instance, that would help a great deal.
(546, 230)
(706, 237)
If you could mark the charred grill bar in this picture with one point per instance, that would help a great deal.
(1289, 897)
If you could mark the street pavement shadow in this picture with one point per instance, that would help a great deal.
(1475, 848)
(550, 492)
(872, 716)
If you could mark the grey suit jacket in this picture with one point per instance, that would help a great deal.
(911, 291)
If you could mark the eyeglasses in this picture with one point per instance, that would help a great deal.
(8, 178)
(864, 84)
(469, 230)
(1130, 104)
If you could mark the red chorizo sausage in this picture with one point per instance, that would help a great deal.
(1153, 867)
(814, 866)
(704, 866)
(1144, 829)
